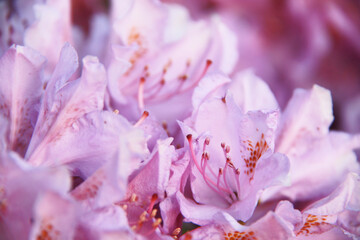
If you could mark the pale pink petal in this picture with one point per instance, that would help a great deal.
(153, 130)
(292, 217)
(327, 218)
(320, 159)
(308, 113)
(71, 102)
(350, 222)
(154, 176)
(212, 83)
(346, 196)
(55, 217)
(196, 213)
(20, 91)
(101, 222)
(170, 214)
(332, 234)
(127, 23)
(251, 93)
(318, 165)
(224, 41)
(102, 188)
(223, 226)
(51, 30)
(19, 191)
(67, 65)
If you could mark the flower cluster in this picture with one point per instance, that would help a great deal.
(165, 128)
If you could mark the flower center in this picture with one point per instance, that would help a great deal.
(226, 180)
(218, 182)
(143, 215)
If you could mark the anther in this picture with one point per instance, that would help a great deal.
(157, 222)
(227, 149)
(207, 65)
(141, 93)
(176, 231)
(116, 111)
(183, 77)
(153, 213)
(133, 198)
(165, 127)
(188, 63)
(142, 118)
(223, 145)
(142, 217)
(207, 141)
(189, 137)
(154, 197)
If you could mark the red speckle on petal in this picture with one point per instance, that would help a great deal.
(236, 235)
(314, 224)
(47, 231)
(256, 152)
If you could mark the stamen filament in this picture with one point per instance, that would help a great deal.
(154, 197)
(142, 119)
(237, 176)
(207, 180)
(141, 93)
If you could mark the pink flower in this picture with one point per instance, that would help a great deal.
(164, 69)
(55, 217)
(143, 189)
(325, 50)
(231, 160)
(319, 158)
(327, 218)
(21, 188)
(157, 129)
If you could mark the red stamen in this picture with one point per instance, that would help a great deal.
(207, 180)
(237, 177)
(207, 66)
(141, 93)
(142, 119)
(154, 197)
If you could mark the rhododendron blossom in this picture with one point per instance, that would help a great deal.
(149, 119)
